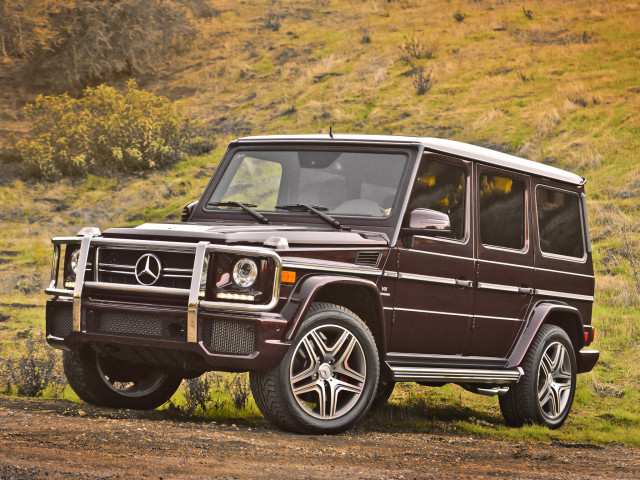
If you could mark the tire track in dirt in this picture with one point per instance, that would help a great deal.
(57, 439)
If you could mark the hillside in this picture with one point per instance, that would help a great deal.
(555, 81)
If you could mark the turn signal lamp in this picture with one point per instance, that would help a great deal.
(288, 277)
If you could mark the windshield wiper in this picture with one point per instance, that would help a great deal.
(317, 209)
(245, 206)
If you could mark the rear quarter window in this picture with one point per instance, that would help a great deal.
(559, 222)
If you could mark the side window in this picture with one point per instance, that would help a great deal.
(502, 211)
(559, 222)
(442, 186)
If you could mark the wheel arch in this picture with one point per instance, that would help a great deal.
(356, 294)
(551, 313)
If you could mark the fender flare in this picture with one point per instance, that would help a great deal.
(304, 294)
(537, 316)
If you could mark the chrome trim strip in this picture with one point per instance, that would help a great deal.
(387, 308)
(115, 271)
(432, 311)
(168, 275)
(194, 292)
(403, 374)
(511, 319)
(385, 294)
(175, 270)
(77, 291)
(565, 273)
(571, 296)
(116, 265)
(137, 288)
(498, 287)
(440, 254)
(507, 264)
(59, 292)
(427, 278)
(55, 267)
(143, 244)
(308, 266)
(60, 240)
(390, 274)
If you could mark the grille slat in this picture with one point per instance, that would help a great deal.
(226, 336)
(137, 325)
(369, 259)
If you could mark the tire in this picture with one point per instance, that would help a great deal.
(327, 380)
(385, 389)
(117, 384)
(545, 393)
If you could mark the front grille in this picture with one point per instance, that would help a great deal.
(118, 265)
(226, 336)
(137, 325)
(369, 259)
(61, 320)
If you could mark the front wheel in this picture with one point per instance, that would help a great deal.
(114, 383)
(545, 393)
(328, 378)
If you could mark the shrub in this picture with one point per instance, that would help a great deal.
(239, 390)
(414, 47)
(422, 81)
(67, 45)
(36, 370)
(104, 132)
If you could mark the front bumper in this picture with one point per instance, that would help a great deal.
(156, 335)
(172, 327)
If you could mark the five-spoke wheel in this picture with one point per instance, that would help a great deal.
(328, 371)
(555, 379)
(545, 392)
(328, 378)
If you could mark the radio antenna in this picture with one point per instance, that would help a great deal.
(331, 131)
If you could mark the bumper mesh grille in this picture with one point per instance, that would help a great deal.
(225, 336)
(136, 325)
(61, 320)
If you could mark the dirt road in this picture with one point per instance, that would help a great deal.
(56, 439)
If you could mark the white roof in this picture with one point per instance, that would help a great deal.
(439, 145)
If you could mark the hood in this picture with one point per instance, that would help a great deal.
(247, 234)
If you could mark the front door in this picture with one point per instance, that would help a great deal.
(434, 290)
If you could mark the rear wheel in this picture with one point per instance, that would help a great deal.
(545, 393)
(118, 384)
(328, 378)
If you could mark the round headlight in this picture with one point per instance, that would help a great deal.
(75, 260)
(245, 272)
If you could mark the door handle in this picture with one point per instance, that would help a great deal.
(464, 283)
(526, 290)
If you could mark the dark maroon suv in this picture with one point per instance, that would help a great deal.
(331, 268)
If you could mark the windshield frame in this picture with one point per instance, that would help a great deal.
(411, 151)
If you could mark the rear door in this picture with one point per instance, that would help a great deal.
(505, 274)
(434, 290)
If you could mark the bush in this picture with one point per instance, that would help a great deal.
(36, 370)
(67, 45)
(104, 132)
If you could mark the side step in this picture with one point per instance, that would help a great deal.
(422, 374)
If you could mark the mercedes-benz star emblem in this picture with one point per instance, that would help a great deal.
(148, 268)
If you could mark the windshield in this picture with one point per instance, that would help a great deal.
(342, 182)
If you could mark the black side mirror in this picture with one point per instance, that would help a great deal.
(188, 209)
(428, 223)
